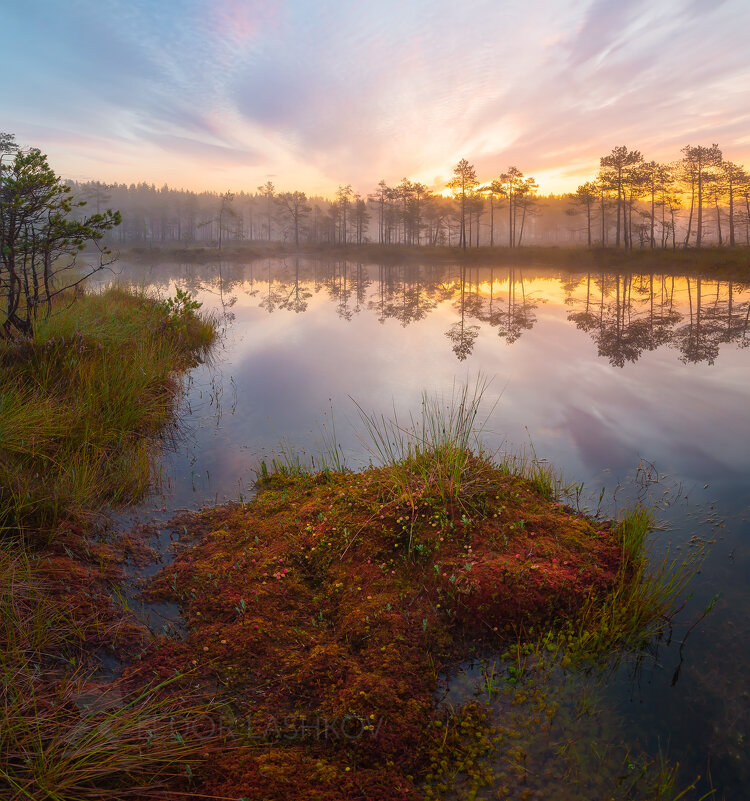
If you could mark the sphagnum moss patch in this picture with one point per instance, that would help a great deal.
(323, 611)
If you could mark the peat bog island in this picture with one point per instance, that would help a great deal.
(373, 425)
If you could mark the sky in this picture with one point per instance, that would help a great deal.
(313, 94)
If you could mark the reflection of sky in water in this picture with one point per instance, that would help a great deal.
(278, 374)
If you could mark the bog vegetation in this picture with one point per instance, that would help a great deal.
(84, 405)
(88, 383)
(325, 611)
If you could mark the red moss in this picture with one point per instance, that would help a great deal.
(329, 600)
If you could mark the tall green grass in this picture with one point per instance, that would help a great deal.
(644, 599)
(437, 450)
(542, 476)
(83, 403)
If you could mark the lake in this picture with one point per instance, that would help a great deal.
(635, 385)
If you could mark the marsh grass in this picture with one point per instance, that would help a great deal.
(83, 407)
(542, 476)
(287, 460)
(30, 626)
(642, 603)
(438, 457)
(70, 738)
(83, 403)
(440, 452)
(65, 735)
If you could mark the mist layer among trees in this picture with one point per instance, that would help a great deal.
(699, 199)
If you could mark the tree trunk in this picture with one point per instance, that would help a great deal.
(653, 213)
(523, 220)
(690, 218)
(619, 207)
(718, 222)
(699, 232)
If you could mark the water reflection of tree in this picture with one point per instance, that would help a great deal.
(460, 334)
(633, 314)
(511, 315)
(274, 295)
(515, 314)
(737, 316)
(626, 314)
(344, 282)
(405, 293)
(711, 322)
(618, 323)
(299, 294)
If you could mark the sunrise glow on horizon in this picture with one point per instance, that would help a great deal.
(229, 94)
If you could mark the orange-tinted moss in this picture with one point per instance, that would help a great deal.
(76, 573)
(323, 611)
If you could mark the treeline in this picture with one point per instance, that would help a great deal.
(700, 198)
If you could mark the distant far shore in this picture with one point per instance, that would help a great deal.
(572, 258)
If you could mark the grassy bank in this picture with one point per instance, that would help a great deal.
(682, 260)
(83, 407)
(83, 403)
(324, 612)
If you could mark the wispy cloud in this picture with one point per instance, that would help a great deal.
(337, 92)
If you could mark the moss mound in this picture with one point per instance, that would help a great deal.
(323, 611)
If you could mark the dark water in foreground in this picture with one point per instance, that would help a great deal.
(603, 372)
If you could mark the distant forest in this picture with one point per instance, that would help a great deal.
(700, 199)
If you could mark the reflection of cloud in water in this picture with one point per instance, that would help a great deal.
(600, 446)
(697, 462)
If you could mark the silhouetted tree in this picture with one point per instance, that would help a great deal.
(493, 191)
(39, 239)
(584, 198)
(267, 191)
(735, 180)
(697, 162)
(344, 195)
(526, 202)
(614, 173)
(463, 182)
(297, 209)
(361, 218)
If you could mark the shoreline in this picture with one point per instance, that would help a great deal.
(573, 258)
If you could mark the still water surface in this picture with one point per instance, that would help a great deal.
(602, 372)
